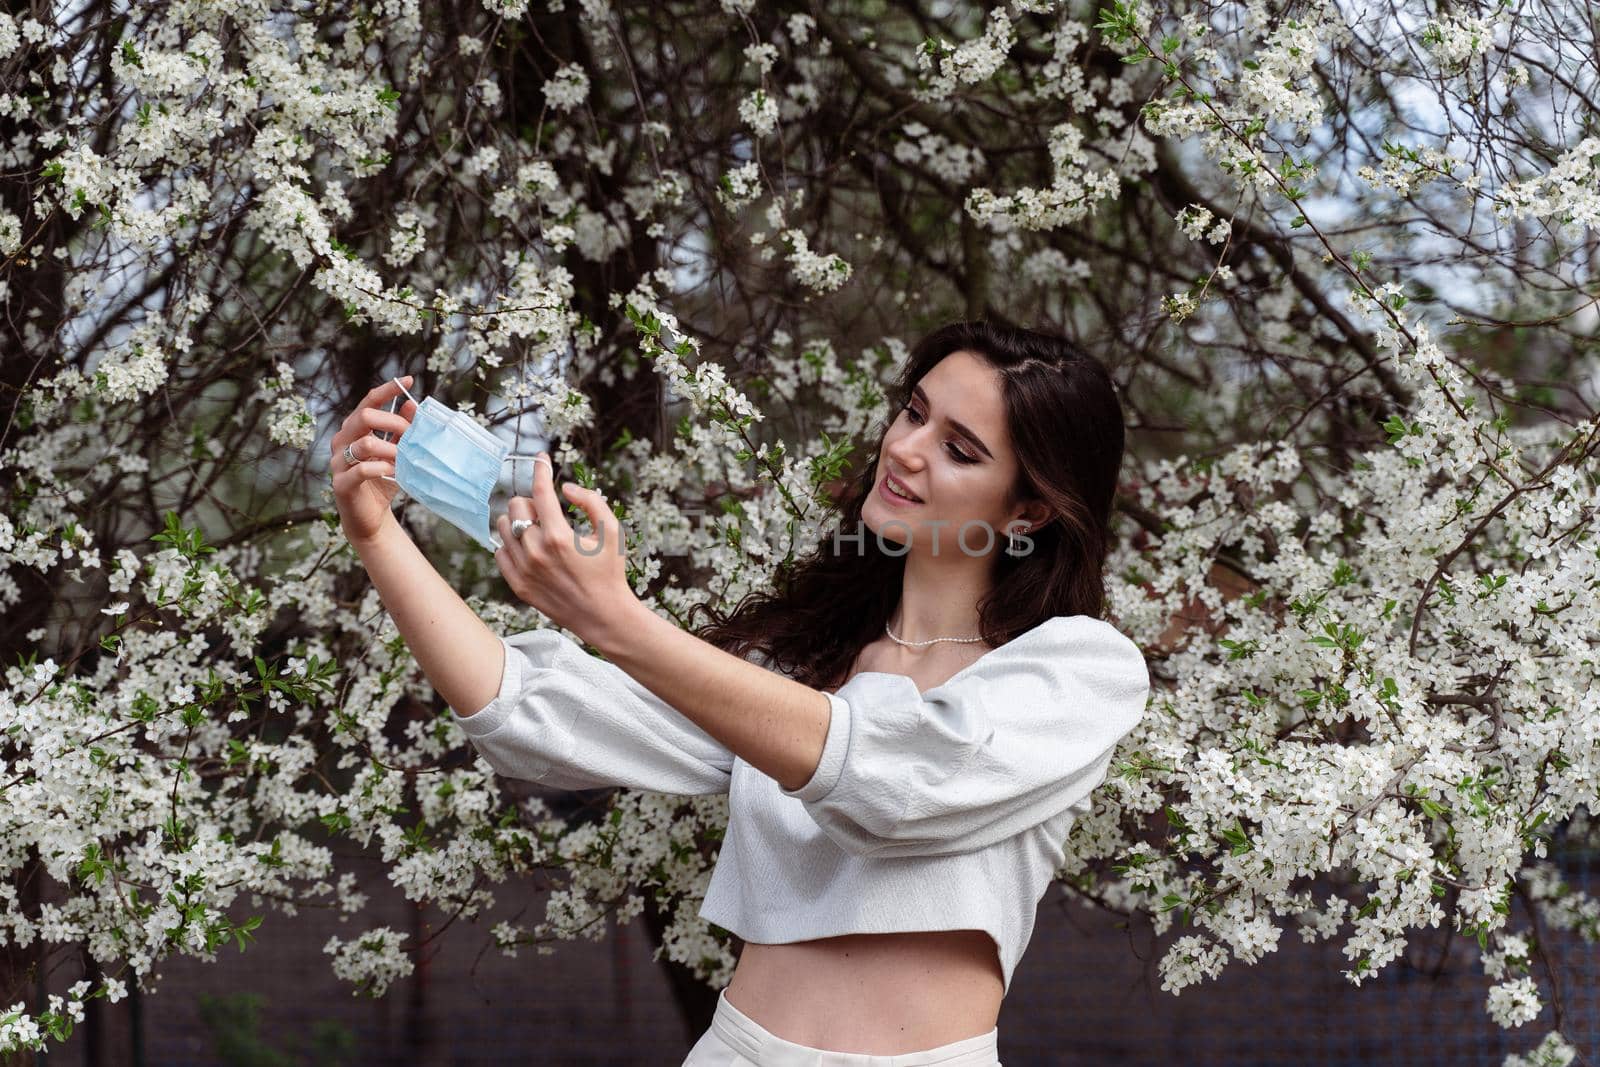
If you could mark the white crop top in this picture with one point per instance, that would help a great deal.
(942, 810)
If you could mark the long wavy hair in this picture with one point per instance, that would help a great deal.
(1066, 427)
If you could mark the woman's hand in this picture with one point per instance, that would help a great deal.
(579, 582)
(360, 492)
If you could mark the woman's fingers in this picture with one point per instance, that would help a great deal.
(507, 564)
(365, 420)
(379, 397)
(546, 505)
(369, 447)
(512, 557)
(366, 470)
(357, 455)
(518, 507)
(382, 394)
(364, 446)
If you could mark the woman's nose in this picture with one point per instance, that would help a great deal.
(906, 452)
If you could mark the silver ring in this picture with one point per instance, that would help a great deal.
(349, 456)
(520, 526)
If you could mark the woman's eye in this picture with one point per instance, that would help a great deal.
(961, 457)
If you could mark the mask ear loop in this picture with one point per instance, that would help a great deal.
(391, 411)
(406, 391)
(523, 455)
(519, 455)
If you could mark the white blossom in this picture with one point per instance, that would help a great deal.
(372, 961)
(567, 88)
(760, 112)
(1515, 1002)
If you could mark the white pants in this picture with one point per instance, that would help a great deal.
(736, 1040)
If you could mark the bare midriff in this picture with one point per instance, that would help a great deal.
(880, 994)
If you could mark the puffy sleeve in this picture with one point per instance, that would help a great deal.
(1012, 740)
(570, 720)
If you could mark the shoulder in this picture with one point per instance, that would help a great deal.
(1076, 634)
(1077, 650)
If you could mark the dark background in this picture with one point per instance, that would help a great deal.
(1086, 992)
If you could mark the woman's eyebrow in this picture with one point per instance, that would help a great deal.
(916, 391)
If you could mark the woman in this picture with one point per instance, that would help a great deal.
(906, 728)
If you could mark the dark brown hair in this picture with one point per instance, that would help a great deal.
(1066, 428)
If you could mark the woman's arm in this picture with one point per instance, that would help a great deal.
(570, 720)
(461, 656)
(886, 770)
(462, 659)
(772, 722)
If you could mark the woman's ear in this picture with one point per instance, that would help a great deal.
(1035, 513)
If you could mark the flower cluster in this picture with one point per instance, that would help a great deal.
(289, 422)
(951, 162)
(1077, 188)
(760, 112)
(567, 88)
(946, 66)
(1456, 39)
(372, 961)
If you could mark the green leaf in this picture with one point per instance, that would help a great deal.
(1396, 427)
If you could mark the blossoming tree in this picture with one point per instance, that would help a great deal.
(1340, 259)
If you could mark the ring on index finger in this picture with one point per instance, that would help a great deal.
(349, 456)
(521, 526)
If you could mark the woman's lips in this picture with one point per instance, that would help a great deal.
(897, 501)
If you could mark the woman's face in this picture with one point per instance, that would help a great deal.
(950, 448)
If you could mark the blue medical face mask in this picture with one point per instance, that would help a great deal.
(450, 465)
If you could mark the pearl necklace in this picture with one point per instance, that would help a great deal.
(931, 640)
